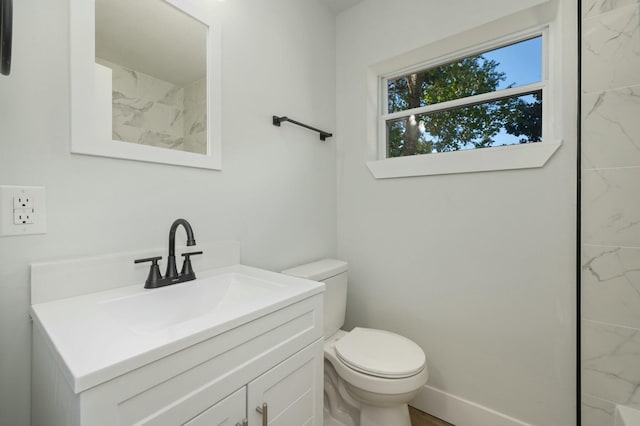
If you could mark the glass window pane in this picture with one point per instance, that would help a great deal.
(506, 121)
(510, 66)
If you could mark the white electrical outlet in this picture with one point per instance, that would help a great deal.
(23, 200)
(22, 210)
(23, 216)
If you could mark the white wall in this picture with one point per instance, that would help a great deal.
(610, 209)
(276, 193)
(479, 268)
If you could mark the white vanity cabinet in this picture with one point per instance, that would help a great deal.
(290, 390)
(275, 359)
(287, 394)
(224, 413)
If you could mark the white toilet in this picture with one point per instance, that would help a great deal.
(370, 375)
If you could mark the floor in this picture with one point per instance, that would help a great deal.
(419, 418)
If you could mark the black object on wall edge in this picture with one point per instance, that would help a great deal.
(323, 135)
(6, 34)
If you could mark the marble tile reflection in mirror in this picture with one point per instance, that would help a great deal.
(156, 56)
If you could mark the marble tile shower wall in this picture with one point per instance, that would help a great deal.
(150, 111)
(610, 208)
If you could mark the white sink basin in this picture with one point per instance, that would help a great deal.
(159, 308)
(99, 336)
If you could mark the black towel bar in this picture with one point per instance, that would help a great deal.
(323, 135)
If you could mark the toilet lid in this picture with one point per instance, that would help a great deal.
(380, 353)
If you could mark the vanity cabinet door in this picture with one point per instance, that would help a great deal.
(292, 390)
(228, 412)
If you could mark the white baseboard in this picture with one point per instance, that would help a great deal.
(458, 411)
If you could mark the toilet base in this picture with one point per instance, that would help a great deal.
(372, 416)
(337, 411)
(342, 410)
(384, 416)
(329, 420)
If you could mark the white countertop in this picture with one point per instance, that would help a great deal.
(94, 346)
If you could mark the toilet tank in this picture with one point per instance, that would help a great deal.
(333, 273)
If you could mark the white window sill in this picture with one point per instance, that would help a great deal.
(525, 156)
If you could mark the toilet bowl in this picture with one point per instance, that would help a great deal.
(370, 375)
(379, 383)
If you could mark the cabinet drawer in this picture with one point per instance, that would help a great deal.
(227, 412)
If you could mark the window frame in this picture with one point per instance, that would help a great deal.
(385, 116)
(509, 30)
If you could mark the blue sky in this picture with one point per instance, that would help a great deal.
(521, 62)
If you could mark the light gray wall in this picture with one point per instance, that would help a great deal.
(479, 268)
(276, 193)
(610, 209)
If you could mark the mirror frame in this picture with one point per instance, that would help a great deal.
(85, 85)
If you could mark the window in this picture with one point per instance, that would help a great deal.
(495, 97)
(488, 99)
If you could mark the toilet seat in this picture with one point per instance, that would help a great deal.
(380, 353)
(368, 382)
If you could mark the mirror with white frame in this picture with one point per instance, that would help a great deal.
(145, 81)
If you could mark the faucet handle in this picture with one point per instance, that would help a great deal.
(149, 259)
(193, 253)
(186, 265)
(154, 271)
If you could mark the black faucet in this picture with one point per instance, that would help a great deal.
(155, 279)
(172, 272)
